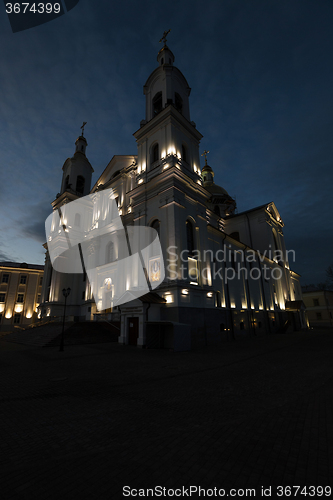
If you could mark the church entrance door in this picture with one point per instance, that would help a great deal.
(133, 331)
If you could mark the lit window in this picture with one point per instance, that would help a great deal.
(23, 280)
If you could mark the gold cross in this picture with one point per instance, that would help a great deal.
(164, 37)
(205, 153)
(84, 124)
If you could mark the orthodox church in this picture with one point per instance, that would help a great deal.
(226, 274)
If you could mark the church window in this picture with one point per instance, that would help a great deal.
(178, 103)
(157, 103)
(156, 225)
(110, 257)
(80, 184)
(155, 153)
(5, 278)
(67, 182)
(189, 237)
(184, 153)
(162, 61)
(82, 148)
(235, 235)
(217, 210)
(77, 220)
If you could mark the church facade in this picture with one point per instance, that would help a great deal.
(227, 274)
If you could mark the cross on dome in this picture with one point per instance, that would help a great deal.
(205, 153)
(84, 124)
(164, 37)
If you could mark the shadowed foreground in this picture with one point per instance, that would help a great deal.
(86, 422)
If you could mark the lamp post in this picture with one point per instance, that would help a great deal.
(65, 294)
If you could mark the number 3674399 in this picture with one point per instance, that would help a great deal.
(35, 8)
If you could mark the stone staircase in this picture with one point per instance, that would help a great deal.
(40, 336)
(48, 335)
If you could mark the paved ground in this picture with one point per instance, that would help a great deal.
(84, 423)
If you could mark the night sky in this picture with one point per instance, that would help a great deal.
(262, 82)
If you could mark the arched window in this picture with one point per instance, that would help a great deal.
(77, 220)
(184, 153)
(235, 235)
(80, 184)
(217, 210)
(178, 103)
(155, 153)
(189, 237)
(157, 103)
(156, 225)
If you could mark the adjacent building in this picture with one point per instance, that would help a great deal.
(20, 294)
(227, 274)
(319, 305)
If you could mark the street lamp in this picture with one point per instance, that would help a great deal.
(65, 294)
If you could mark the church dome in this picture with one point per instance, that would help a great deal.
(214, 189)
(207, 168)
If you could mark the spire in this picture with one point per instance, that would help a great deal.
(165, 56)
(81, 142)
(207, 172)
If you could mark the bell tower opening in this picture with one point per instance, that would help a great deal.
(157, 103)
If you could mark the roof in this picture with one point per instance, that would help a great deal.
(22, 265)
(248, 211)
(152, 298)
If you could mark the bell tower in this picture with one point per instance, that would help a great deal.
(77, 171)
(166, 135)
